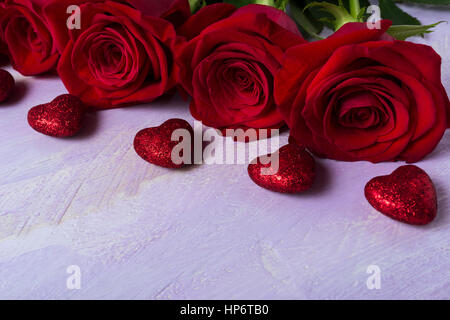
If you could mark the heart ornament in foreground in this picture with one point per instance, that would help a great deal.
(407, 195)
(60, 118)
(155, 144)
(7, 84)
(296, 171)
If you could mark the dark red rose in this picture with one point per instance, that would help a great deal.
(55, 13)
(229, 64)
(360, 95)
(120, 56)
(30, 45)
(175, 11)
(3, 47)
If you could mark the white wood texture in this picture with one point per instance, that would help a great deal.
(139, 231)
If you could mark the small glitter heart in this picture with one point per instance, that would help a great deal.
(155, 145)
(296, 171)
(60, 118)
(407, 195)
(6, 85)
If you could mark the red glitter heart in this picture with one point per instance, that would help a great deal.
(155, 145)
(296, 172)
(60, 118)
(407, 195)
(6, 85)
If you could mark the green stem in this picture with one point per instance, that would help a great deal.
(266, 2)
(355, 8)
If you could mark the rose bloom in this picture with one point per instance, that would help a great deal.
(30, 44)
(175, 11)
(120, 56)
(228, 65)
(3, 47)
(360, 95)
(55, 13)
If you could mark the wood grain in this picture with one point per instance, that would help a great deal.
(138, 231)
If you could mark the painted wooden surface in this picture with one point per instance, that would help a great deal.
(139, 231)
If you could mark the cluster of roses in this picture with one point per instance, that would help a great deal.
(357, 95)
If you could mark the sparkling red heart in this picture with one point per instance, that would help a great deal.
(155, 144)
(60, 118)
(7, 84)
(296, 171)
(407, 195)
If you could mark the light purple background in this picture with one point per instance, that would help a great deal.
(143, 232)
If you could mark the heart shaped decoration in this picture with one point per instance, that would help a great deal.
(295, 172)
(155, 145)
(60, 118)
(407, 195)
(6, 85)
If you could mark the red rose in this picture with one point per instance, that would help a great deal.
(30, 44)
(3, 47)
(360, 95)
(175, 11)
(55, 13)
(229, 65)
(120, 56)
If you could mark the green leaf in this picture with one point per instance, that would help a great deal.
(438, 2)
(362, 13)
(281, 4)
(389, 10)
(402, 32)
(196, 5)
